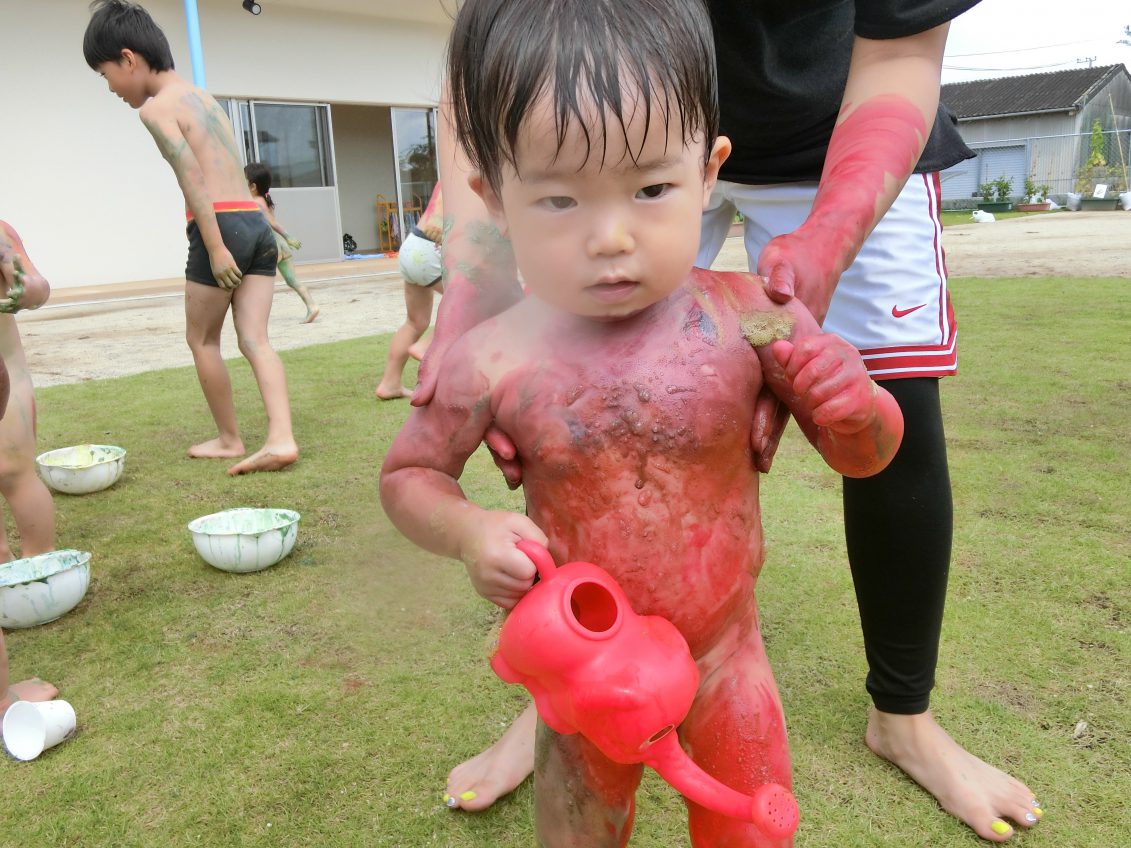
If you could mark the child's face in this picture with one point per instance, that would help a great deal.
(604, 240)
(126, 79)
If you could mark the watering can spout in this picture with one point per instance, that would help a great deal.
(772, 807)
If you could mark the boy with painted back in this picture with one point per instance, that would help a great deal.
(626, 379)
(232, 253)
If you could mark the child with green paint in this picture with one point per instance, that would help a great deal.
(232, 254)
(21, 287)
(27, 497)
(259, 183)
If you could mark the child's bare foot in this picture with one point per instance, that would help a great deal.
(267, 458)
(217, 448)
(384, 393)
(478, 783)
(975, 792)
(27, 690)
(418, 350)
(311, 315)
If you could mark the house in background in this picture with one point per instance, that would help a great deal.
(1037, 126)
(338, 97)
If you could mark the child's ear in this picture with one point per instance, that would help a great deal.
(480, 185)
(719, 153)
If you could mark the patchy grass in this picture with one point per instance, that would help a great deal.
(322, 701)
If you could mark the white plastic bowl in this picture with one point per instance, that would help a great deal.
(82, 469)
(39, 589)
(245, 539)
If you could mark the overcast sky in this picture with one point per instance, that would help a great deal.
(1002, 38)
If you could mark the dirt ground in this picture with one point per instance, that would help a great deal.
(90, 335)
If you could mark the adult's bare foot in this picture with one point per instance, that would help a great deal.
(478, 783)
(267, 458)
(311, 315)
(385, 393)
(27, 690)
(983, 797)
(217, 448)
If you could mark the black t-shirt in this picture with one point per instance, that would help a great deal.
(782, 69)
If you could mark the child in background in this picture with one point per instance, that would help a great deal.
(21, 287)
(625, 379)
(259, 184)
(28, 498)
(232, 254)
(419, 263)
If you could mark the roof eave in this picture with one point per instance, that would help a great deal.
(1067, 110)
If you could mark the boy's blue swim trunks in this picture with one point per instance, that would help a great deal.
(246, 234)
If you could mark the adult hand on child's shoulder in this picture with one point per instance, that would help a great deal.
(794, 266)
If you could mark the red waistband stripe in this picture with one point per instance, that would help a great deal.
(229, 206)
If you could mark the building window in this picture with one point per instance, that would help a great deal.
(292, 139)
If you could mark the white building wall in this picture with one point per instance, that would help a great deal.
(82, 179)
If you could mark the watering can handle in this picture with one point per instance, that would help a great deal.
(539, 556)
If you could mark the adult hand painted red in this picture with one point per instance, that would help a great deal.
(871, 153)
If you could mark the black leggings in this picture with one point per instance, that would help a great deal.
(897, 526)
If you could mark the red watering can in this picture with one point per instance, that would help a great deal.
(622, 680)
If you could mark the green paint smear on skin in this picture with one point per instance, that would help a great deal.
(82, 456)
(215, 121)
(761, 328)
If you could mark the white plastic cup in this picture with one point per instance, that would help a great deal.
(31, 727)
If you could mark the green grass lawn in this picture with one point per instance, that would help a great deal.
(950, 218)
(321, 702)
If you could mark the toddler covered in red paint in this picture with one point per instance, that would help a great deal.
(626, 379)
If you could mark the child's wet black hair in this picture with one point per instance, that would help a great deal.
(117, 25)
(588, 57)
(260, 175)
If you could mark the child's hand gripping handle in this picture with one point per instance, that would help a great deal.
(541, 557)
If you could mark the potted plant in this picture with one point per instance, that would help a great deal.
(1035, 199)
(995, 195)
(1096, 172)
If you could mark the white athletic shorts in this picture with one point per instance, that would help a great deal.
(892, 303)
(419, 261)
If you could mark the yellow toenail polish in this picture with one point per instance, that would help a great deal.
(1038, 812)
(467, 796)
(1001, 828)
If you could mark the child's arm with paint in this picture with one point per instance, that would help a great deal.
(269, 214)
(854, 424)
(21, 284)
(887, 111)
(422, 496)
(480, 277)
(163, 124)
(889, 105)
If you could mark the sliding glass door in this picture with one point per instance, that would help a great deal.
(294, 141)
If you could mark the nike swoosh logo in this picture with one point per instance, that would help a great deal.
(896, 312)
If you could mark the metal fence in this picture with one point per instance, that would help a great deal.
(1059, 162)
